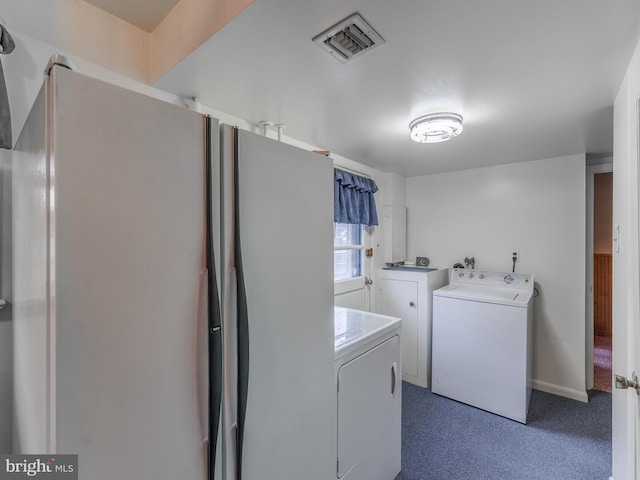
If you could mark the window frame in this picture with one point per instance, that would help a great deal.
(351, 247)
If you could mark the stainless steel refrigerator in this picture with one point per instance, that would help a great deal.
(173, 292)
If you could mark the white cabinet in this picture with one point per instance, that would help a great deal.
(407, 292)
(401, 298)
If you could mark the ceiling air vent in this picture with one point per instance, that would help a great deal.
(349, 38)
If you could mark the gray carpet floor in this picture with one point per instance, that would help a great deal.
(563, 439)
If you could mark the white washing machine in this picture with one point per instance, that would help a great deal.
(369, 395)
(482, 341)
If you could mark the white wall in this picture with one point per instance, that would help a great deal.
(626, 309)
(189, 24)
(83, 30)
(86, 31)
(535, 207)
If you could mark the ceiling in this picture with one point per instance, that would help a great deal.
(145, 14)
(532, 79)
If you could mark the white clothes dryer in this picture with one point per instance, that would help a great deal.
(369, 395)
(482, 341)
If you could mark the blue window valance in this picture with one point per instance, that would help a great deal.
(353, 200)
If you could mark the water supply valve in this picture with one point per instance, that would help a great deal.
(470, 262)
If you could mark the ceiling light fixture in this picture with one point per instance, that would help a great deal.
(437, 127)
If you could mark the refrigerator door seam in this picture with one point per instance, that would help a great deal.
(213, 304)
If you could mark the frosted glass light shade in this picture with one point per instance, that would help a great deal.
(436, 127)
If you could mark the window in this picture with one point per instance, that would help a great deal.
(347, 251)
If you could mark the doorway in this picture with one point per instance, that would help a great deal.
(602, 331)
(599, 270)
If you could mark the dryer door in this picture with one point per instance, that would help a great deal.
(369, 399)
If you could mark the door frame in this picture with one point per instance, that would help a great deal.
(592, 170)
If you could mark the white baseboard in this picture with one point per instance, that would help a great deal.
(581, 396)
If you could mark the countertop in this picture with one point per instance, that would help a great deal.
(411, 268)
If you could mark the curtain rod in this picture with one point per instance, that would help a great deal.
(352, 171)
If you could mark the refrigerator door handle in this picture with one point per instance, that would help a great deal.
(202, 356)
(242, 315)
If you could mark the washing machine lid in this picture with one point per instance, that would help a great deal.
(354, 328)
(497, 295)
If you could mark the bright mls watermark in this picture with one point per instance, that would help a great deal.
(50, 467)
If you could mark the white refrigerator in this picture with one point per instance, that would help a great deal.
(173, 292)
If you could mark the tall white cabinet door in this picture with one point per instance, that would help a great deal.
(368, 401)
(32, 430)
(399, 298)
(286, 211)
(125, 193)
